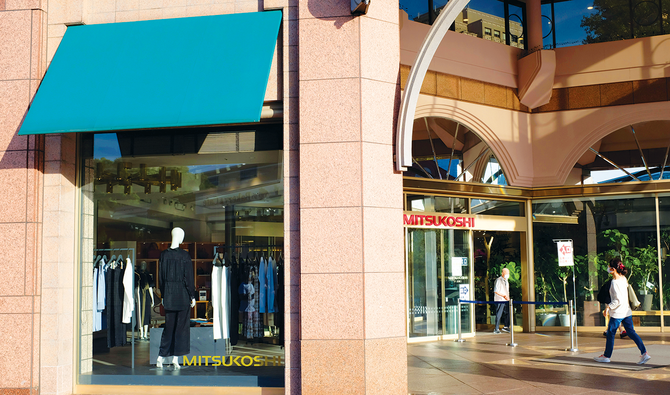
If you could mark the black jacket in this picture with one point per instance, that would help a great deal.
(175, 277)
(604, 293)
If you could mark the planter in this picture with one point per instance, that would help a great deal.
(592, 314)
(564, 319)
(546, 319)
(646, 302)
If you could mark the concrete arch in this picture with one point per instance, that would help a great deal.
(617, 118)
(479, 127)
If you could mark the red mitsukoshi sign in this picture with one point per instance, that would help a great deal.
(447, 221)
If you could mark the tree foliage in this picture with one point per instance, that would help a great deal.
(612, 20)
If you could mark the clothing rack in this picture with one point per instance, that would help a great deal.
(132, 318)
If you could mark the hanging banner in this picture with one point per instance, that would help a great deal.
(565, 257)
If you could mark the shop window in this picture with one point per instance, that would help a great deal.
(600, 228)
(497, 207)
(224, 188)
(456, 153)
(436, 204)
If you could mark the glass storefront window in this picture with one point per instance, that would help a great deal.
(436, 204)
(438, 265)
(600, 228)
(496, 207)
(224, 188)
(664, 215)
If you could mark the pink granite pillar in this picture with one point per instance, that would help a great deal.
(351, 238)
(22, 56)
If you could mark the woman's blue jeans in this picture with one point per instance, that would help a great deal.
(630, 331)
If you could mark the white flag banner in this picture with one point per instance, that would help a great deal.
(565, 256)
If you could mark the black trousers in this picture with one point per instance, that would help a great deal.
(502, 309)
(176, 338)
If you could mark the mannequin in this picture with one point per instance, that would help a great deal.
(175, 277)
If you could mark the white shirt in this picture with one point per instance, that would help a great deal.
(128, 297)
(501, 287)
(619, 307)
(220, 301)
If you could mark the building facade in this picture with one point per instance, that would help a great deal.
(266, 131)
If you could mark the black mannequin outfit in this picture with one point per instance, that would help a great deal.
(175, 277)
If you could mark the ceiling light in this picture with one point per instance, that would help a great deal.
(589, 7)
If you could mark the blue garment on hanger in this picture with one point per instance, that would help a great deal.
(271, 276)
(262, 291)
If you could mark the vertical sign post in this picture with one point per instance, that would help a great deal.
(566, 258)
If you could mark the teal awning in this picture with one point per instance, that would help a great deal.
(206, 70)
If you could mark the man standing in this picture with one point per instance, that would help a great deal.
(501, 293)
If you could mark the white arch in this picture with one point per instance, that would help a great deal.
(416, 76)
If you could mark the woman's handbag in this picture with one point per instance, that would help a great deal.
(632, 298)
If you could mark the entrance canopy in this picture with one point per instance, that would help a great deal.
(208, 70)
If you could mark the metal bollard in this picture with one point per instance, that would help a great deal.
(458, 313)
(511, 324)
(572, 348)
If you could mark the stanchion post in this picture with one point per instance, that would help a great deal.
(511, 324)
(458, 313)
(572, 323)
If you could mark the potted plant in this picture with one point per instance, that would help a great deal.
(646, 268)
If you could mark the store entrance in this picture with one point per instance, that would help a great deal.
(493, 251)
(439, 264)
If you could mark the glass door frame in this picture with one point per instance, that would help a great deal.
(481, 222)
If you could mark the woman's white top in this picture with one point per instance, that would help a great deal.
(619, 307)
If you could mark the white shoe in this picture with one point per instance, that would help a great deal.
(159, 362)
(644, 358)
(601, 358)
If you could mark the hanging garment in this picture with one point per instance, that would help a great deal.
(256, 318)
(234, 317)
(176, 338)
(220, 300)
(128, 291)
(279, 318)
(97, 315)
(116, 330)
(271, 282)
(262, 286)
(143, 284)
(250, 310)
(100, 300)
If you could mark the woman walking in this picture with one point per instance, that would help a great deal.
(620, 313)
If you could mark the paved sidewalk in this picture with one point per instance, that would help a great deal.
(485, 365)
